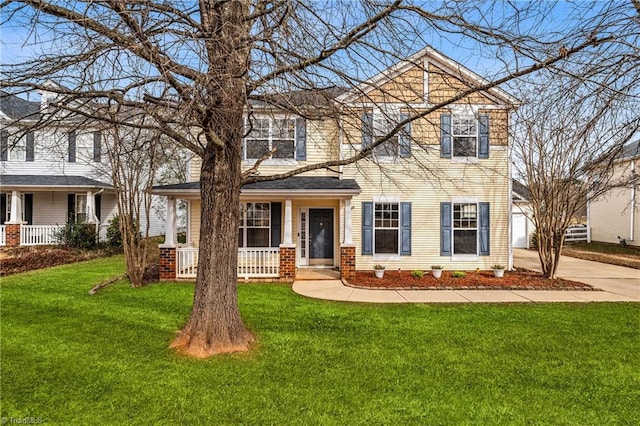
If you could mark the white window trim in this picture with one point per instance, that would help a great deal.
(244, 227)
(75, 203)
(272, 161)
(386, 114)
(469, 158)
(389, 199)
(465, 257)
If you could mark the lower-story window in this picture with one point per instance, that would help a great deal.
(465, 228)
(255, 225)
(386, 228)
(386, 225)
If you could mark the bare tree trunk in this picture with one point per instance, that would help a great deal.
(215, 325)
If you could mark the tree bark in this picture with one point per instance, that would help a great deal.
(215, 325)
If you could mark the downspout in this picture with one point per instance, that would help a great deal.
(95, 217)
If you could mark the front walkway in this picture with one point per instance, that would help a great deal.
(619, 285)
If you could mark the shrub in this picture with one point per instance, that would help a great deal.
(114, 235)
(458, 274)
(437, 267)
(417, 274)
(78, 235)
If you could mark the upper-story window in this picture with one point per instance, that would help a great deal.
(20, 149)
(464, 136)
(377, 124)
(265, 134)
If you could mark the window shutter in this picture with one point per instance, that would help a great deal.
(367, 228)
(445, 136)
(301, 139)
(445, 229)
(30, 146)
(71, 208)
(97, 147)
(483, 136)
(404, 138)
(276, 224)
(4, 145)
(28, 208)
(3, 209)
(98, 206)
(72, 146)
(367, 128)
(483, 229)
(405, 229)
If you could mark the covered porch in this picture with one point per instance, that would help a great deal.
(34, 207)
(286, 225)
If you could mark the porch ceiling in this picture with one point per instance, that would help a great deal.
(50, 183)
(292, 187)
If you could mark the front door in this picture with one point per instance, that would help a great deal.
(320, 236)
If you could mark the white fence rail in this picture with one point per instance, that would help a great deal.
(258, 262)
(3, 235)
(252, 263)
(38, 235)
(577, 234)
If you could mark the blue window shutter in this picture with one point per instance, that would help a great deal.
(445, 229)
(4, 145)
(367, 128)
(445, 136)
(97, 147)
(404, 138)
(72, 146)
(71, 208)
(30, 146)
(483, 136)
(301, 139)
(405, 229)
(276, 224)
(484, 228)
(367, 228)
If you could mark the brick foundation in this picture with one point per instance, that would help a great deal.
(12, 233)
(287, 264)
(167, 263)
(348, 263)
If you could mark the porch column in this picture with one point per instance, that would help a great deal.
(288, 248)
(12, 227)
(347, 248)
(168, 248)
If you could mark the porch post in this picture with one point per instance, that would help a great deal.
(168, 248)
(287, 248)
(12, 227)
(347, 248)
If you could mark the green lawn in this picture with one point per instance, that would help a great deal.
(68, 357)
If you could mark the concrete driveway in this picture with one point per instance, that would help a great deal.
(613, 279)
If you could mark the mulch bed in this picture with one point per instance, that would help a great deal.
(481, 280)
(23, 259)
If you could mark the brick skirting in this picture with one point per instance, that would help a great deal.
(12, 234)
(287, 264)
(348, 263)
(167, 263)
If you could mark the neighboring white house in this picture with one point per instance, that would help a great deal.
(53, 175)
(616, 214)
(521, 216)
(359, 215)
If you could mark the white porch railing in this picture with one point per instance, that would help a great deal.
(252, 262)
(3, 235)
(38, 235)
(258, 262)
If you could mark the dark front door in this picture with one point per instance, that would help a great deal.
(321, 236)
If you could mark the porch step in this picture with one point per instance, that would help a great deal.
(317, 274)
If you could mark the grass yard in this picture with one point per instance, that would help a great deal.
(68, 357)
(614, 254)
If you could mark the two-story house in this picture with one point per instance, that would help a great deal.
(436, 193)
(51, 175)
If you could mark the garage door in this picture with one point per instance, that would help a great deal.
(519, 236)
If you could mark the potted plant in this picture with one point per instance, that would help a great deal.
(378, 270)
(436, 270)
(498, 270)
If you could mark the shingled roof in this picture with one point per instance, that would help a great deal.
(15, 107)
(50, 181)
(294, 183)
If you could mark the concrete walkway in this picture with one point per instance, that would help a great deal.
(619, 285)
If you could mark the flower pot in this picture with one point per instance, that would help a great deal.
(498, 273)
(379, 273)
(437, 273)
